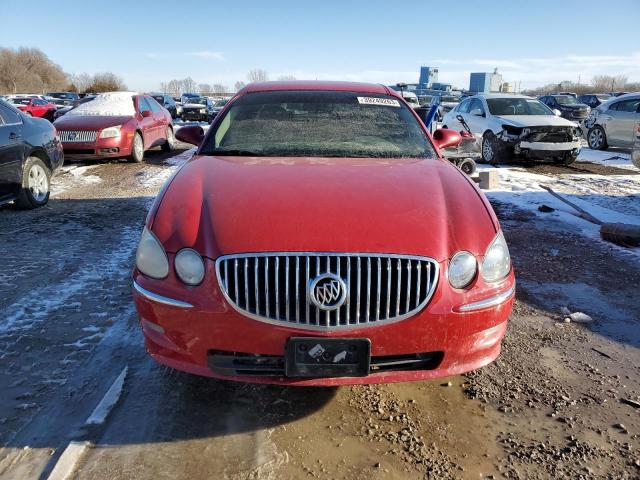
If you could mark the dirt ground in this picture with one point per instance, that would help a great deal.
(562, 401)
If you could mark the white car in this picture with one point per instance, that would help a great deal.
(516, 125)
(635, 153)
(612, 123)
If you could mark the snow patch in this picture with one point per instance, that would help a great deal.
(112, 396)
(112, 104)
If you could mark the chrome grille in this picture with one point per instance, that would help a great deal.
(70, 136)
(274, 287)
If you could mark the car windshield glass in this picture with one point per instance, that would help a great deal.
(566, 100)
(20, 101)
(201, 101)
(602, 98)
(449, 99)
(319, 124)
(221, 103)
(159, 99)
(59, 95)
(517, 106)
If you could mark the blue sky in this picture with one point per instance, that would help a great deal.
(147, 42)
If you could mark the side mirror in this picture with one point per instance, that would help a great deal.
(477, 112)
(445, 138)
(146, 113)
(557, 112)
(192, 134)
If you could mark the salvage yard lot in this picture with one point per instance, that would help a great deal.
(561, 401)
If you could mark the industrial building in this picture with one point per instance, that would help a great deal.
(485, 82)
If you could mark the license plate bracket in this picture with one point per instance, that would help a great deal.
(320, 357)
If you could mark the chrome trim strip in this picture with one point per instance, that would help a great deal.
(488, 302)
(159, 298)
(303, 325)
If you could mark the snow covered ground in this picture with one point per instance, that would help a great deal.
(611, 198)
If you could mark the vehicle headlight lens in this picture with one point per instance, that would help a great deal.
(497, 262)
(462, 269)
(151, 258)
(189, 266)
(203, 110)
(111, 132)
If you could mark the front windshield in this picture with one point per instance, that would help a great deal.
(158, 98)
(201, 101)
(20, 101)
(319, 124)
(566, 100)
(517, 106)
(603, 98)
(221, 103)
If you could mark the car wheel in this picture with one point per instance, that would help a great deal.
(597, 138)
(492, 149)
(468, 166)
(171, 141)
(137, 149)
(36, 184)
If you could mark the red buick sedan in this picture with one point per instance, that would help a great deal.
(115, 124)
(317, 237)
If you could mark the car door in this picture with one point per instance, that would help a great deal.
(39, 107)
(623, 116)
(11, 151)
(159, 120)
(147, 124)
(476, 118)
(461, 109)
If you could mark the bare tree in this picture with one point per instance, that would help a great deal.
(257, 75)
(239, 85)
(174, 87)
(29, 70)
(218, 88)
(188, 85)
(205, 88)
(80, 81)
(164, 87)
(106, 82)
(287, 77)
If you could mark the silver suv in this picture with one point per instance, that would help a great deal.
(613, 123)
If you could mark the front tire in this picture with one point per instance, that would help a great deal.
(137, 149)
(493, 151)
(36, 184)
(170, 142)
(597, 138)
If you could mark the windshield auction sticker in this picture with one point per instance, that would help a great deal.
(387, 102)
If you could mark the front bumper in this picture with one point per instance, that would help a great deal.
(100, 148)
(195, 116)
(543, 150)
(192, 329)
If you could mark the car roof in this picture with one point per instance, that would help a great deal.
(316, 85)
(501, 95)
(626, 96)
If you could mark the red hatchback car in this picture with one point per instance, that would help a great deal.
(34, 107)
(116, 124)
(318, 238)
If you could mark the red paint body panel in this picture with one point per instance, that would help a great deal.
(37, 110)
(226, 205)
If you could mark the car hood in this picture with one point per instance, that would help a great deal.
(89, 122)
(224, 205)
(193, 105)
(535, 121)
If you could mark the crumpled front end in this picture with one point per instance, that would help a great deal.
(542, 141)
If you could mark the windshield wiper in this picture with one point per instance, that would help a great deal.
(239, 153)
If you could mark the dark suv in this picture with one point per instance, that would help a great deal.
(167, 102)
(594, 99)
(569, 107)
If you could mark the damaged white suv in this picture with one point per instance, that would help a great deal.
(517, 125)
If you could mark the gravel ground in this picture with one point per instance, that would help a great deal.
(562, 401)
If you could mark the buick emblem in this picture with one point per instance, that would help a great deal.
(328, 291)
(72, 135)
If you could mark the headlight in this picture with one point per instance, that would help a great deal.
(151, 258)
(497, 262)
(203, 110)
(462, 269)
(526, 131)
(189, 266)
(111, 132)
